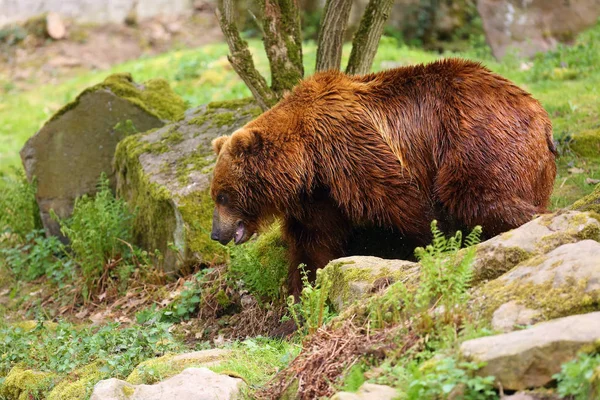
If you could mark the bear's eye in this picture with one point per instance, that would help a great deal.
(222, 199)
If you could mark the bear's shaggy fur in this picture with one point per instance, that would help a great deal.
(450, 141)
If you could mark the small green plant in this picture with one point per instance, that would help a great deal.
(64, 347)
(19, 212)
(186, 304)
(443, 283)
(99, 231)
(38, 256)
(442, 379)
(576, 376)
(313, 310)
(261, 264)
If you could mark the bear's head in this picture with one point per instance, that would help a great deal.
(237, 212)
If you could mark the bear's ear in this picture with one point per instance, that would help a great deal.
(217, 143)
(245, 142)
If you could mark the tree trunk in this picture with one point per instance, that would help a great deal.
(366, 39)
(241, 58)
(283, 43)
(331, 34)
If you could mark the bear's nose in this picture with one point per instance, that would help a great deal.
(214, 235)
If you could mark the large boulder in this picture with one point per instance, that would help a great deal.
(191, 384)
(532, 26)
(165, 175)
(564, 281)
(353, 278)
(70, 152)
(503, 252)
(528, 358)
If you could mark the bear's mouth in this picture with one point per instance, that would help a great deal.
(240, 233)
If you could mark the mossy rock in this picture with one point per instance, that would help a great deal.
(79, 384)
(545, 233)
(590, 203)
(563, 282)
(165, 175)
(353, 278)
(161, 368)
(587, 144)
(77, 144)
(25, 384)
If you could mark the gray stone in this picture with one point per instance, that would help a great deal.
(528, 358)
(166, 175)
(354, 277)
(512, 314)
(368, 391)
(539, 236)
(532, 26)
(563, 282)
(71, 151)
(191, 384)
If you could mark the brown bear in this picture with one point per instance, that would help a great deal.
(449, 140)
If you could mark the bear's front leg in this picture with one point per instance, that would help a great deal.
(314, 244)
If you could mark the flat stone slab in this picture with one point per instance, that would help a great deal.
(528, 358)
(369, 391)
(191, 384)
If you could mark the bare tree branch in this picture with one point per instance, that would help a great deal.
(331, 34)
(283, 43)
(241, 58)
(366, 39)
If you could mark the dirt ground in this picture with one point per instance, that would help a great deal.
(41, 60)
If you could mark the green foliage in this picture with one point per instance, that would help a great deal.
(99, 231)
(569, 62)
(186, 304)
(354, 378)
(445, 276)
(444, 378)
(261, 264)
(576, 376)
(312, 311)
(64, 347)
(19, 215)
(38, 256)
(256, 360)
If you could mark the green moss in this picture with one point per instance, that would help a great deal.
(25, 384)
(161, 368)
(231, 104)
(261, 263)
(79, 384)
(155, 219)
(494, 267)
(587, 144)
(591, 202)
(198, 160)
(342, 276)
(552, 302)
(154, 96)
(172, 136)
(218, 118)
(28, 326)
(197, 210)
